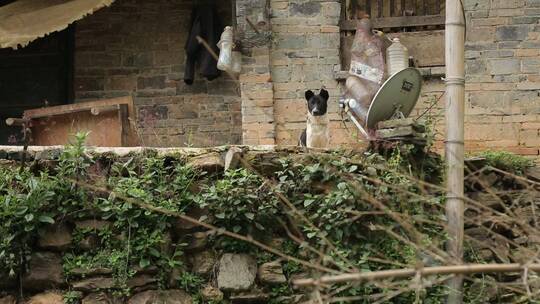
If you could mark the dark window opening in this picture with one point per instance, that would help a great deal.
(5, 2)
(35, 76)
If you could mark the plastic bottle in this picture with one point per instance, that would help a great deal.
(397, 57)
(225, 44)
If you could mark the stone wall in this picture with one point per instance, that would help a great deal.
(85, 240)
(239, 278)
(136, 47)
(212, 274)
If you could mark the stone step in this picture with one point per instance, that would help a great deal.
(398, 123)
(396, 132)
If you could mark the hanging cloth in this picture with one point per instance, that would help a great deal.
(205, 23)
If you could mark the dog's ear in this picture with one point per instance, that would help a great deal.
(324, 94)
(309, 94)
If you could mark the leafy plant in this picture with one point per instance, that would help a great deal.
(238, 199)
(74, 161)
(507, 161)
(334, 192)
(190, 282)
(278, 294)
(72, 297)
(26, 205)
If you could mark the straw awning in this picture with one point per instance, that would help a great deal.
(23, 21)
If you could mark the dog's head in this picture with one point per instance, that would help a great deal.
(317, 104)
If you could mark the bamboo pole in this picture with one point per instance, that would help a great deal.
(411, 272)
(455, 104)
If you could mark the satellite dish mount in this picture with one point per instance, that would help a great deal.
(395, 99)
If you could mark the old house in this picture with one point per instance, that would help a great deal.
(136, 48)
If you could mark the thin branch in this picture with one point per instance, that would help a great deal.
(291, 206)
(210, 227)
(410, 272)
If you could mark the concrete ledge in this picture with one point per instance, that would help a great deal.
(51, 152)
(427, 72)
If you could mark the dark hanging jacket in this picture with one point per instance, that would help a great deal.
(206, 24)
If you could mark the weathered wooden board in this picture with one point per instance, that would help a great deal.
(78, 107)
(107, 121)
(392, 8)
(104, 130)
(396, 22)
(427, 47)
(346, 44)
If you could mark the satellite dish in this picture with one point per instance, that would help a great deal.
(397, 94)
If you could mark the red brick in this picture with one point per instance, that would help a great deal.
(522, 150)
(530, 138)
(303, 29)
(497, 86)
(264, 102)
(519, 118)
(279, 5)
(255, 78)
(500, 143)
(122, 83)
(329, 29)
(267, 141)
(259, 94)
(527, 52)
(530, 125)
(528, 86)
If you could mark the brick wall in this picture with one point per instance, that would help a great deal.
(136, 47)
(258, 123)
(503, 66)
(305, 55)
(502, 77)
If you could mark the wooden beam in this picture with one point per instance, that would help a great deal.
(104, 109)
(428, 72)
(123, 115)
(75, 107)
(392, 22)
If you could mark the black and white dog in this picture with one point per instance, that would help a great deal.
(316, 134)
